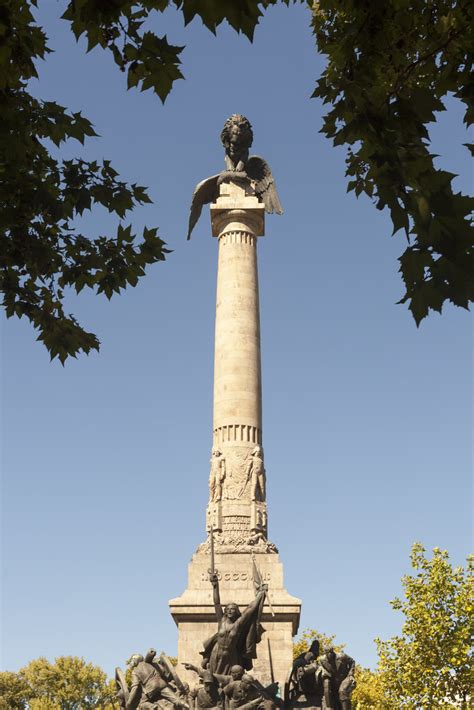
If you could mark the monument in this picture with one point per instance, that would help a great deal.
(235, 615)
(237, 508)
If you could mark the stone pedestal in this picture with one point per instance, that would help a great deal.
(237, 508)
(194, 612)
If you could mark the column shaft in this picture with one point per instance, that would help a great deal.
(237, 369)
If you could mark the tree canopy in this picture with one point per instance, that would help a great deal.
(67, 684)
(430, 664)
(389, 66)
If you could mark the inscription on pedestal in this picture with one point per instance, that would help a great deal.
(236, 576)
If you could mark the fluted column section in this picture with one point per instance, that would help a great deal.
(237, 495)
(237, 369)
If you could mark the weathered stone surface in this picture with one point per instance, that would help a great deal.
(238, 513)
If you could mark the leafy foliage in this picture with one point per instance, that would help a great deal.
(430, 664)
(40, 196)
(67, 684)
(14, 691)
(370, 692)
(389, 66)
(150, 61)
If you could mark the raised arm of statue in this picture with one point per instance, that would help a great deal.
(252, 607)
(216, 595)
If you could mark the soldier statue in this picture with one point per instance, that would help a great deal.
(153, 685)
(337, 675)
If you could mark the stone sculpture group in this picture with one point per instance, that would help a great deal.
(315, 681)
(254, 478)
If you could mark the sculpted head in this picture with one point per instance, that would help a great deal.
(208, 680)
(236, 672)
(135, 659)
(232, 611)
(216, 452)
(257, 452)
(246, 682)
(237, 137)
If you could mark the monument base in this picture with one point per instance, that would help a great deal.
(193, 612)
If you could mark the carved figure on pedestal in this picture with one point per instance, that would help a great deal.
(216, 476)
(253, 171)
(238, 633)
(206, 696)
(242, 694)
(152, 686)
(337, 674)
(309, 682)
(256, 475)
(304, 686)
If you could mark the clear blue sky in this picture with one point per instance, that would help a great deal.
(367, 419)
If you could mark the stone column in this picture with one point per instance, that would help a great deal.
(237, 508)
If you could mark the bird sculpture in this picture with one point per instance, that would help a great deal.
(237, 137)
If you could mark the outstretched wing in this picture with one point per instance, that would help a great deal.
(206, 191)
(259, 170)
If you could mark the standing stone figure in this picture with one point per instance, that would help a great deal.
(217, 475)
(256, 475)
(337, 674)
(238, 633)
(309, 685)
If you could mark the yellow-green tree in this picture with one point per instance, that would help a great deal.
(67, 684)
(14, 691)
(429, 665)
(369, 693)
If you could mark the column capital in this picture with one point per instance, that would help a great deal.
(237, 209)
